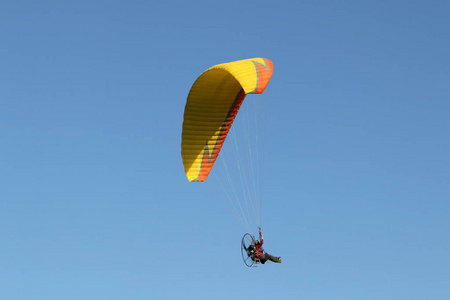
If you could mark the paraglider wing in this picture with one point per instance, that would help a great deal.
(211, 107)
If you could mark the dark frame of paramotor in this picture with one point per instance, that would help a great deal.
(247, 251)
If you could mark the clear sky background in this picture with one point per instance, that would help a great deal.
(94, 202)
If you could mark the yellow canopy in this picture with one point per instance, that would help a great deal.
(212, 105)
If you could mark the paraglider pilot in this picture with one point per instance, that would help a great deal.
(259, 251)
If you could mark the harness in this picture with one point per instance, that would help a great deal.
(255, 252)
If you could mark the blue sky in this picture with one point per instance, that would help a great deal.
(94, 203)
